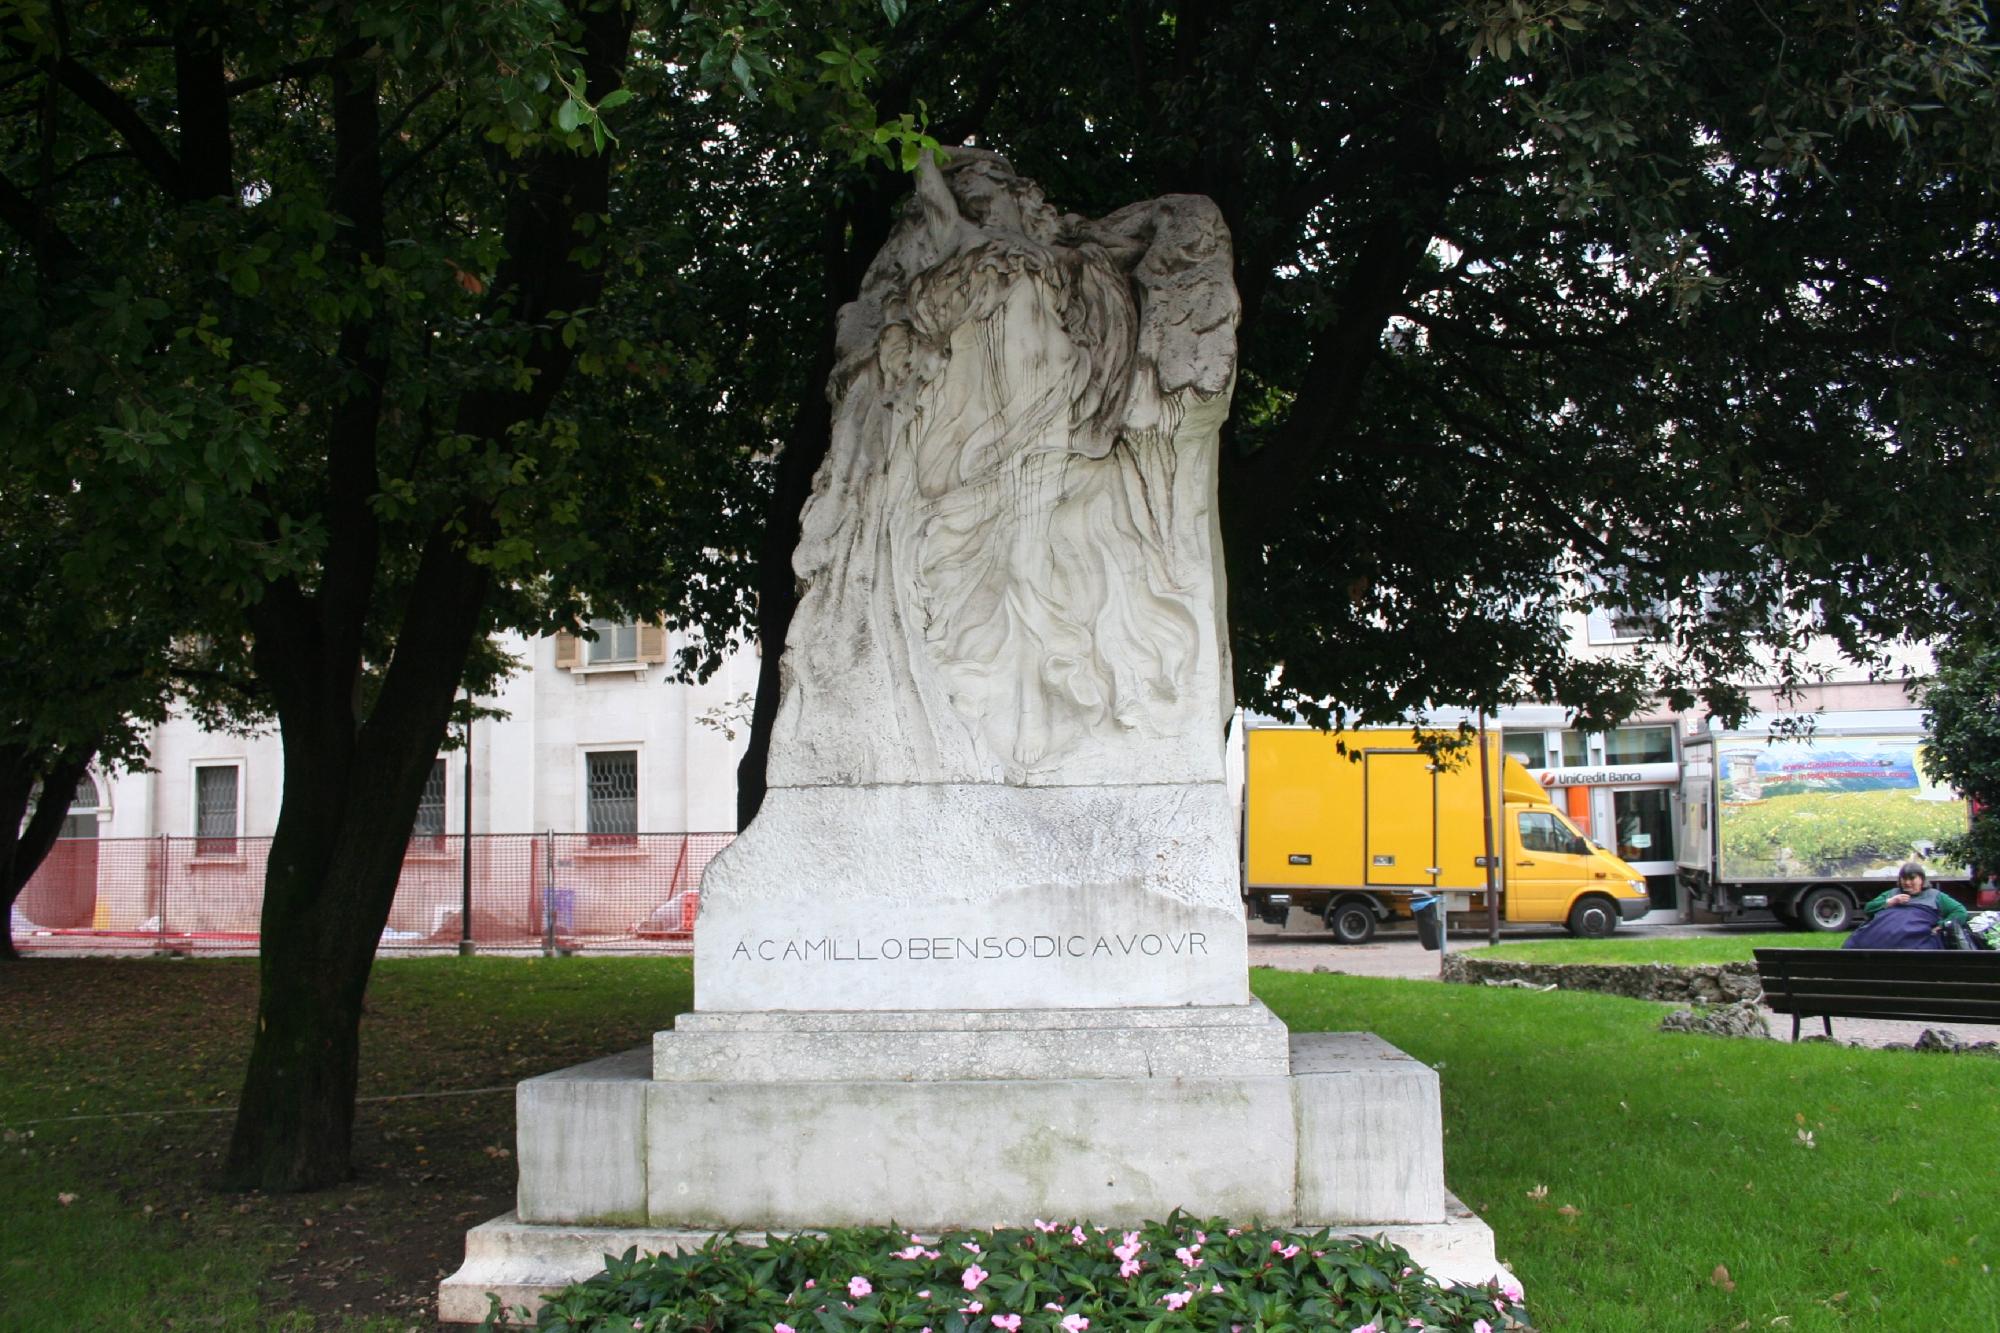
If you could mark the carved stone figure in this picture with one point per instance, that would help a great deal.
(1008, 561)
(996, 777)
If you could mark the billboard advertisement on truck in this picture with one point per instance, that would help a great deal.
(1810, 826)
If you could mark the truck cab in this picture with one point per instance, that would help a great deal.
(1554, 873)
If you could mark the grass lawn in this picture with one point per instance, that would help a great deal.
(1636, 1180)
(1684, 950)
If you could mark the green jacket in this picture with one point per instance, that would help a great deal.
(1948, 907)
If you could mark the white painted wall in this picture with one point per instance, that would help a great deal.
(527, 768)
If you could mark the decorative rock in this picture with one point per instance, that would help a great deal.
(1709, 984)
(1950, 1043)
(1745, 1018)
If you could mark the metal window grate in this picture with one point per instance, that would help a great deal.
(429, 822)
(215, 810)
(614, 793)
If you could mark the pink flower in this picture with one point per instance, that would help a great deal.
(924, 1295)
(1200, 1239)
(858, 1286)
(910, 1252)
(783, 1328)
(1369, 1327)
(1510, 1289)
(1174, 1300)
(1128, 1268)
(811, 1283)
(973, 1276)
(1053, 1308)
(1413, 1322)
(1075, 1323)
(1007, 1323)
(1215, 1290)
(1481, 1326)
(1045, 1227)
(1077, 1237)
(971, 1307)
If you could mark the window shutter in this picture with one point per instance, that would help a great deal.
(652, 643)
(567, 649)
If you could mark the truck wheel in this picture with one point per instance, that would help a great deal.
(1826, 909)
(1593, 918)
(1351, 922)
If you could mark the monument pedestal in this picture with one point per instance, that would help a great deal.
(761, 1122)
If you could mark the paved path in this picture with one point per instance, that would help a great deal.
(1397, 954)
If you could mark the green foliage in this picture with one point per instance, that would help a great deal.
(1836, 833)
(1050, 1278)
(1551, 306)
(1962, 715)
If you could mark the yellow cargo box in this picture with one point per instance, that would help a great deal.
(1349, 824)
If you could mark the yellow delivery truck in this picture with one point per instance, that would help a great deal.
(1350, 824)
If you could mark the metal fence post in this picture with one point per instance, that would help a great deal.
(549, 901)
(160, 897)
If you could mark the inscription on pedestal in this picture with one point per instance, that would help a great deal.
(965, 949)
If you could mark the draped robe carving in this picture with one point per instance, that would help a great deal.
(1008, 562)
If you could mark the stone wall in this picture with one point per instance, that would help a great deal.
(1717, 983)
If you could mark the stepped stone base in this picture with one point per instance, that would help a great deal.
(775, 1122)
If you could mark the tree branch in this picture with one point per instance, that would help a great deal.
(151, 150)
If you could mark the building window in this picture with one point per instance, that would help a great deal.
(81, 822)
(429, 822)
(1639, 745)
(611, 812)
(216, 809)
(1624, 624)
(1528, 747)
(1576, 750)
(614, 643)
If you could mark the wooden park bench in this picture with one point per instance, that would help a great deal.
(1925, 985)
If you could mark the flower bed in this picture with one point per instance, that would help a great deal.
(1051, 1277)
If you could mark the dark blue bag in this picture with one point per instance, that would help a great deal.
(1910, 926)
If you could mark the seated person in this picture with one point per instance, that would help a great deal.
(1912, 887)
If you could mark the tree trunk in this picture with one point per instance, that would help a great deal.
(23, 849)
(327, 891)
(350, 797)
(852, 235)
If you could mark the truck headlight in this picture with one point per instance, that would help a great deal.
(1638, 885)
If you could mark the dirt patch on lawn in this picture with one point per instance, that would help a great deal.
(147, 1057)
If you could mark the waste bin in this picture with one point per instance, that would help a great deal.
(1430, 922)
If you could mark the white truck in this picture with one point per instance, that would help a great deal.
(1814, 825)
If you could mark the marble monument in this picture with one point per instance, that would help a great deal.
(981, 957)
